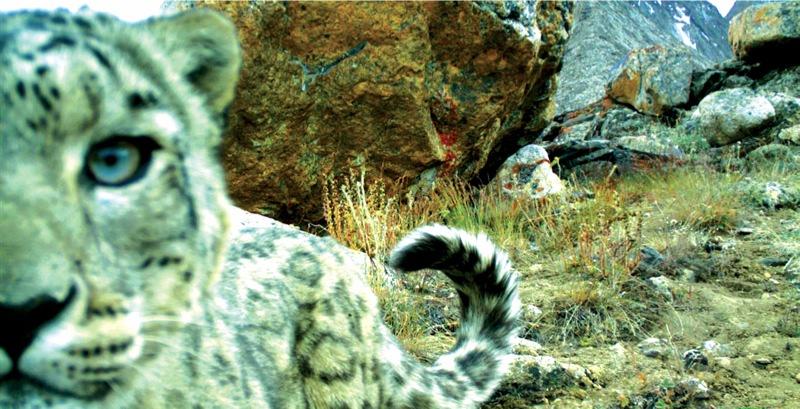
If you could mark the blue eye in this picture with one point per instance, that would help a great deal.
(119, 160)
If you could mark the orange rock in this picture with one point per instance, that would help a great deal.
(393, 88)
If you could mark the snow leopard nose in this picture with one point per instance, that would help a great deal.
(20, 323)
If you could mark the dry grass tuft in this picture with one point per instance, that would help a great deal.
(593, 240)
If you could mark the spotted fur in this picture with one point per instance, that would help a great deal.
(125, 279)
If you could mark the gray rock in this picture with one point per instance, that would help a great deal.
(688, 275)
(661, 285)
(730, 115)
(740, 5)
(692, 388)
(715, 349)
(524, 346)
(790, 135)
(774, 261)
(654, 347)
(792, 271)
(649, 262)
(787, 107)
(604, 32)
(528, 173)
(620, 121)
(717, 243)
(772, 195)
(653, 80)
(532, 377)
(598, 157)
(766, 32)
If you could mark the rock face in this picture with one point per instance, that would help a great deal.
(606, 31)
(768, 33)
(653, 79)
(396, 89)
(740, 5)
(727, 116)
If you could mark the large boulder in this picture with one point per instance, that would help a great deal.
(767, 33)
(740, 5)
(396, 89)
(653, 80)
(730, 115)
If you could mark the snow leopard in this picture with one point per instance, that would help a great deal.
(125, 281)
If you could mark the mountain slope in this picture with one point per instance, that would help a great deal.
(604, 32)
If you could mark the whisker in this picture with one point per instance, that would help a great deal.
(155, 319)
(179, 348)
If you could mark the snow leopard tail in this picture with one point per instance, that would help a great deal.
(490, 306)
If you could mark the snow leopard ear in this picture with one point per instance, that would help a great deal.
(204, 47)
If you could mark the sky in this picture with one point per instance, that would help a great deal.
(134, 10)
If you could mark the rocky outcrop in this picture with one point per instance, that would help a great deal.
(540, 378)
(768, 33)
(653, 80)
(606, 31)
(396, 89)
(741, 5)
(728, 116)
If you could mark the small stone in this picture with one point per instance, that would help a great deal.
(723, 361)
(649, 261)
(533, 311)
(694, 388)
(716, 349)
(774, 261)
(524, 346)
(538, 373)
(762, 362)
(790, 135)
(713, 244)
(661, 285)
(744, 231)
(618, 349)
(654, 347)
(797, 377)
(688, 276)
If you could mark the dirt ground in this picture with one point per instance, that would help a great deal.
(742, 297)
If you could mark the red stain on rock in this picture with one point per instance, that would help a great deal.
(447, 138)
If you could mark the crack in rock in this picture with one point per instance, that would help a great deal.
(310, 74)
